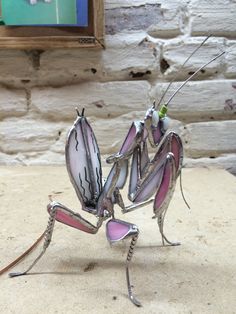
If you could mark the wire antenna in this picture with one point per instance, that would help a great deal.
(194, 74)
(174, 78)
(77, 110)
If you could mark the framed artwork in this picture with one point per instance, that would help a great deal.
(45, 24)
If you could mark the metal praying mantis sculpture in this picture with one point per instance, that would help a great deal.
(148, 177)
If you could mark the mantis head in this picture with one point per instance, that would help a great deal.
(156, 122)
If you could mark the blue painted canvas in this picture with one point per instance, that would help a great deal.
(82, 13)
(44, 12)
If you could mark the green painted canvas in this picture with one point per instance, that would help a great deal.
(39, 12)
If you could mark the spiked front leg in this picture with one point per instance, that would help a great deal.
(164, 195)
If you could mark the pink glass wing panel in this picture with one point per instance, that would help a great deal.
(117, 230)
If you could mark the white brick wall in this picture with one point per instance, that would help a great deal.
(146, 44)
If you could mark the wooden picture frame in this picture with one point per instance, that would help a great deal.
(47, 37)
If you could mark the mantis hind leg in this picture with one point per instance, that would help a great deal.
(47, 241)
(64, 215)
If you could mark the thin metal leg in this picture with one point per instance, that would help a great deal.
(48, 237)
(129, 257)
(160, 221)
(135, 206)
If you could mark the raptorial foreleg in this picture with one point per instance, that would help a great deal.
(164, 195)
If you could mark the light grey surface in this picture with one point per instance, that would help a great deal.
(80, 273)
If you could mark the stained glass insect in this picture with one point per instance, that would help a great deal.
(151, 180)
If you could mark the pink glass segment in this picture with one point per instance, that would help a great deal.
(175, 149)
(164, 187)
(157, 134)
(117, 230)
(148, 189)
(71, 221)
(130, 139)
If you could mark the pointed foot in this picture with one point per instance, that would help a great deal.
(175, 243)
(168, 243)
(165, 240)
(134, 300)
(11, 275)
